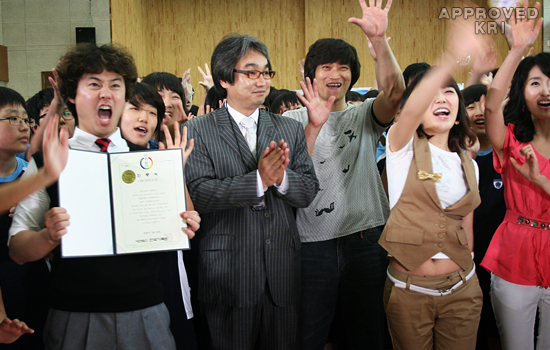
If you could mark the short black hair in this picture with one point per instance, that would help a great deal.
(516, 111)
(473, 93)
(145, 94)
(372, 93)
(165, 80)
(10, 97)
(212, 99)
(461, 135)
(354, 96)
(285, 97)
(273, 93)
(228, 53)
(40, 100)
(413, 70)
(331, 50)
(89, 58)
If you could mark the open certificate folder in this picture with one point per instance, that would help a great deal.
(123, 202)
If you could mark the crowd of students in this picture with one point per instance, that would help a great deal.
(327, 218)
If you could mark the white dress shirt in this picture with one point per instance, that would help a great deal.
(29, 214)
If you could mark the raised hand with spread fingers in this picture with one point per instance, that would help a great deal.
(318, 111)
(389, 79)
(207, 81)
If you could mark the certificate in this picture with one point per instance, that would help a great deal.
(123, 203)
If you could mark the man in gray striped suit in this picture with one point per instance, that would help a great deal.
(247, 173)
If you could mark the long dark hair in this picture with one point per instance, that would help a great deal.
(461, 136)
(516, 111)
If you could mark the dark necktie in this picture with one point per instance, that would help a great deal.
(103, 144)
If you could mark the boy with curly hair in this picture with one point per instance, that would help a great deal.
(95, 302)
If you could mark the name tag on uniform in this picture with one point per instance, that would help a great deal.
(259, 206)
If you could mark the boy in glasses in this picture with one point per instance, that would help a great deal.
(248, 172)
(39, 105)
(15, 128)
(37, 108)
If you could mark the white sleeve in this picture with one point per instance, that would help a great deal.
(283, 187)
(29, 213)
(476, 167)
(397, 169)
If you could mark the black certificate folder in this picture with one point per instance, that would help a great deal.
(122, 203)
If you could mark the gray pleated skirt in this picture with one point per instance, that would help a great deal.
(145, 329)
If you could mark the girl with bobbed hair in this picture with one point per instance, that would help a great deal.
(432, 296)
(518, 255)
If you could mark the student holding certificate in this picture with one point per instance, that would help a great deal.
(98, 302)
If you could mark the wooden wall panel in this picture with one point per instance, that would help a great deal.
(173, 35)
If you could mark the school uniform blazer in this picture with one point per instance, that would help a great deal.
(241, 250)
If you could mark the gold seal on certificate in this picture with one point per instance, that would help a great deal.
(139, 204)
(128, 176)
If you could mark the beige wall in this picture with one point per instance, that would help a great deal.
(546, 29)
(38, 32)
(2, 83)
(173, 35)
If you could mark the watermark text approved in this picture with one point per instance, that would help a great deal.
(486, 18)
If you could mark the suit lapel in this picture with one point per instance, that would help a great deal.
(231, 135)
(265, 133)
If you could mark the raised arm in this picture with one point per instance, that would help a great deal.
(29, 244)
(461, 41)
(318, 112)
(191, 216)
(524, 33)
(55, 110)
(483, 64)
(420, 99)
(388, 74)
(56, 152)
(207, 81)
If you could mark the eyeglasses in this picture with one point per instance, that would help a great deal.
(67, 115)
(255, 74)
(16, 121)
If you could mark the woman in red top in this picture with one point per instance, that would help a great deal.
(518, 255)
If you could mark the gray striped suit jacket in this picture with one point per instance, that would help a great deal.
(243, 250)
